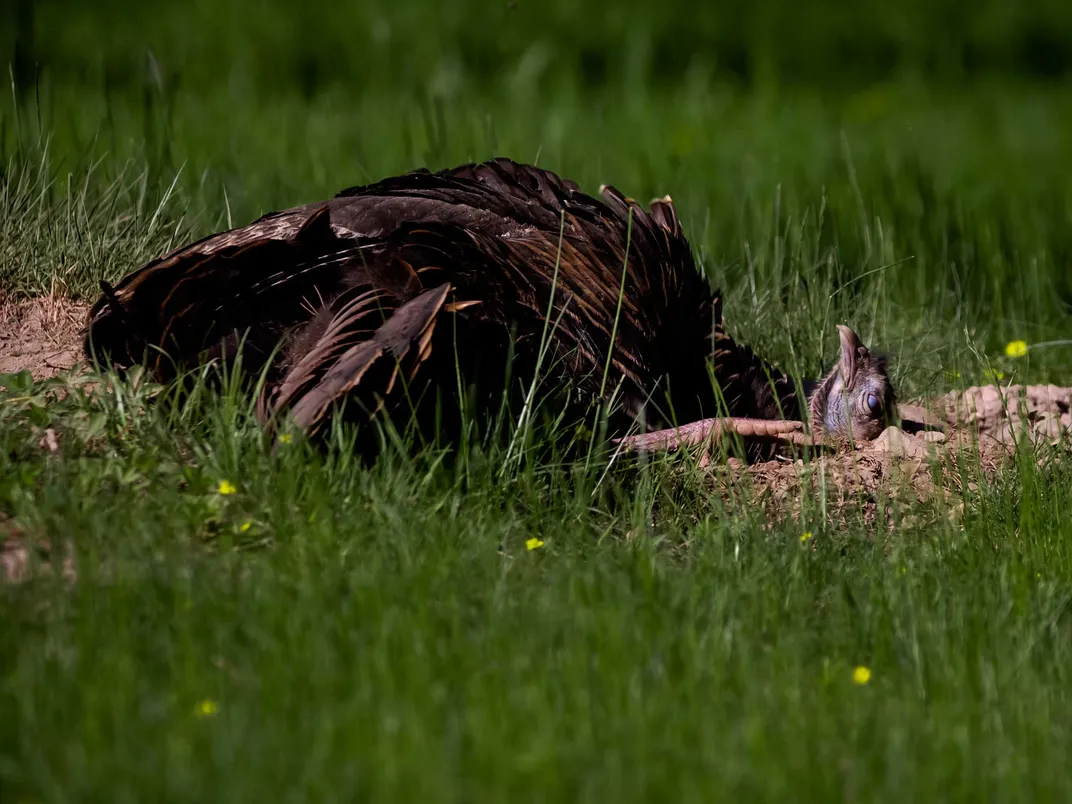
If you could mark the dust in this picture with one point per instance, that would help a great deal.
(41, 335)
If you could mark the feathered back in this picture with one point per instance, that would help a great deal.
(355, 290)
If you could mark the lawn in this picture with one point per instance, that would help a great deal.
(492, 624)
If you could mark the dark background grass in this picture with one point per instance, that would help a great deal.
(594, 46)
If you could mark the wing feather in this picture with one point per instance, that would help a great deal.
(407, 327)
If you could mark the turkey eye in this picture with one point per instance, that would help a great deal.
(874, 404)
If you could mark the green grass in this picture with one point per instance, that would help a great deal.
(382, 632)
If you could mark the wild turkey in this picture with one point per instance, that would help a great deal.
(383, 295)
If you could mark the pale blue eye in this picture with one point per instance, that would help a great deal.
(874, 404)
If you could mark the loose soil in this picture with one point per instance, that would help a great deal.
(42, 335)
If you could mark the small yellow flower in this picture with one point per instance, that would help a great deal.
(226, 487)
(994, 374)
(206, 708)
(902, 571)
(806, 536)
(534, 543)
(286, 438)
(1016, 349)
(245, 526)
(861, 675)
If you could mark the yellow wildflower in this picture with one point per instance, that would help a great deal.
(206, 708)
(286, 438)
(994, 374)
(806, 536)
(861, 675)
(534, 543)
(1016, 349)
(227, 487)
(245, 526)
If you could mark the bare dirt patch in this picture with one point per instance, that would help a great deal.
(41, 335)
(1041, 413)
(943, 451)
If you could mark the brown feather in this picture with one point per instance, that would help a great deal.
(352, 285)
(410, 324)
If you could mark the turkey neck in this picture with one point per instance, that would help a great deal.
(817, 393)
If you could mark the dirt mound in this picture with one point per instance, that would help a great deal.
(943, 450)
(42, 336)
(1041, 413)
(894, 478)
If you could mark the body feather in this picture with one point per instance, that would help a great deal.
(405, 279)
